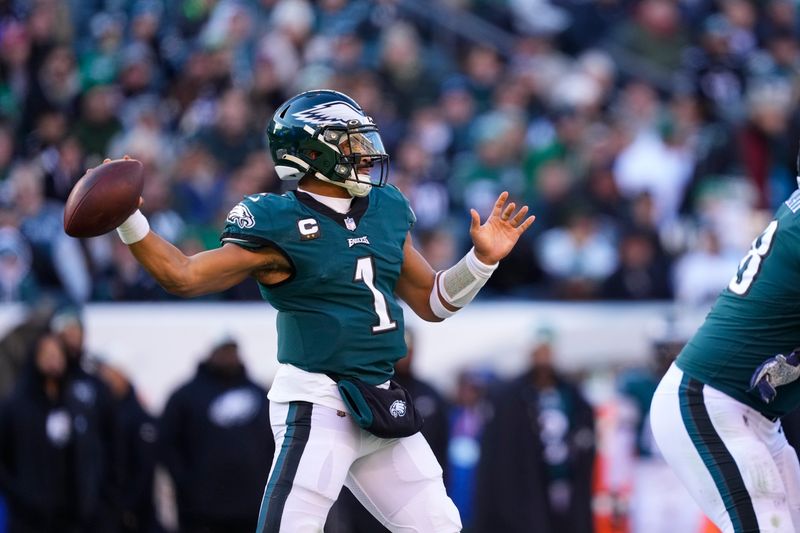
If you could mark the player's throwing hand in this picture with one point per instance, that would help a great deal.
(495, 238)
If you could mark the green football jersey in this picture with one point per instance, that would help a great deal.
(755, 317)
(337, 313)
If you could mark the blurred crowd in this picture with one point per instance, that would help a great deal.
(650, 137)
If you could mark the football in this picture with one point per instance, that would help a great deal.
(103, 198)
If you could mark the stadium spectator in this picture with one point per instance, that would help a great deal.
(467, 419)
(479, 178)
(124, 280)
(67, 326)
(15, 344)
(198, 186)
(408, 80)
(55, 87)
(652, 40)
(135, 454)
(653, 163)
(7, 149)
(231, 138)
(50, 436)
(642, 274)
(765, 141)
(553, 189)
(16, 279)
(577, 257)
(15, 53)
(58, 263)
(701, 274)
(97, 123)
(63, 166)
(537, 454)
(218, 485)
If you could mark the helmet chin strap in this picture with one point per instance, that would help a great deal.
(358, 188)
(355, 188)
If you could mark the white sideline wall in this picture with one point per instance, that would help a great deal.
(159, 345)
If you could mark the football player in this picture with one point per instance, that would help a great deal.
(332, 257)
(715, 414)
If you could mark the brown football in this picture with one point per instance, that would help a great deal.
(103, 198)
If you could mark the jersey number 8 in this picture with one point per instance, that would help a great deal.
(750, 265)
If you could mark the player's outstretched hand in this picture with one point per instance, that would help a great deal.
(496, 237)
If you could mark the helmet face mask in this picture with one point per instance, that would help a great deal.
(326, 134)
(361, 162)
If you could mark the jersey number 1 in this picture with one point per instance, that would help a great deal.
(750, 266)
(365, 271)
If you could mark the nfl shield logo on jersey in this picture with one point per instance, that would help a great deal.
(350, 223)
(398, 408)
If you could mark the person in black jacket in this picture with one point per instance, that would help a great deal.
(135, 454)
(217, 444)
(643, 272)
(537, 455)
(50, 441)
(67, 325)
(15, 344)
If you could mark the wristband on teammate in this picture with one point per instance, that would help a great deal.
(459, 284)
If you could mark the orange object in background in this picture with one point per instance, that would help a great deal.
(709, 527)
(611, 492)
(615, 472)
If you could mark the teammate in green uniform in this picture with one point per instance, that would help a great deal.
(332, 258)
(715, 415)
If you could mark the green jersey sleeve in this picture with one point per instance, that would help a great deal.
(249, 223)
(394, 192)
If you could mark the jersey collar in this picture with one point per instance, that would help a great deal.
(357, 208)
(340, 205)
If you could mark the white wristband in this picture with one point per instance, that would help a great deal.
(478, 267)
(435, 301)
(459, 284)
(134, 229)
